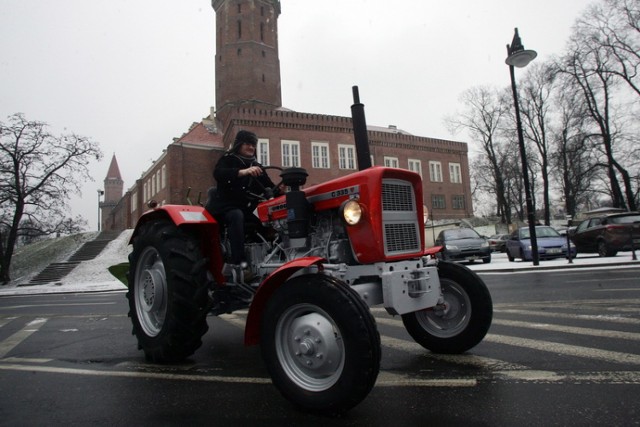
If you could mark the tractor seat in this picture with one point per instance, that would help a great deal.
(211, 197)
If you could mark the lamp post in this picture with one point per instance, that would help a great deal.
(100, 193)
(517, 56)
(569, 217)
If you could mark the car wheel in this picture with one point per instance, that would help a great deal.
(522, 255)
(509, 256)
(604, 250)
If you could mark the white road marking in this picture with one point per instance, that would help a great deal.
(11, 342)
(565, 349)
(599, 317)
(605, 333)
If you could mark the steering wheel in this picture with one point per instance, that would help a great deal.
(261, 197)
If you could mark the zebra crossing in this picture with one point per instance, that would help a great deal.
(588, 341)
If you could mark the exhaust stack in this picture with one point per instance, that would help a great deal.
(360, 131)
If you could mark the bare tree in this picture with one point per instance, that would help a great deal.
(614, 25)
(535, 106)
(574, 158)
(482, 117)
(586, 65)
(38, 174)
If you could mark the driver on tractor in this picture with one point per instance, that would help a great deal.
(241, 184)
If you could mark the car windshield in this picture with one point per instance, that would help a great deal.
(629, 219)
(547, 232)
(462, 233)
(540, 232)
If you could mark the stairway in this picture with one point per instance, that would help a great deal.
(88, 251)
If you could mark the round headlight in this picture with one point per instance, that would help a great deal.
(351, 212)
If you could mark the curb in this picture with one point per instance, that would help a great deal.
(558, 267)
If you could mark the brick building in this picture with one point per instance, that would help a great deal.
(248, 96)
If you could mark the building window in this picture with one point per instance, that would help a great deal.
(239, 29)
(415, 166)
(454, 173)
(262, 153)
(435, 171)
(290, 154)
(320, 155)
(457, 202)
(372, 162)
(391, 162)
(347, 156)
(262, 31)
(134, 201)
(164, 176)
(438, 201)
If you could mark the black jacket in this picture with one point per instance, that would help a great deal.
(233, 191)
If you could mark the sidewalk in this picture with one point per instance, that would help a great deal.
(500, 264)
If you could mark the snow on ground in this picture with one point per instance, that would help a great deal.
(92, 276)
(88, 276)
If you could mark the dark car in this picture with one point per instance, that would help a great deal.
(463, 244)
(550, 244)
(498, 242)
(608, 234)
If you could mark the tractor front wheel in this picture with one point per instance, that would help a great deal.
(461, 321)
(320, 344)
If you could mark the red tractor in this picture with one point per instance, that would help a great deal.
(332, 251)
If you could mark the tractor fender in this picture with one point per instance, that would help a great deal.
(179, 214)
(267, 288)
(196, 218)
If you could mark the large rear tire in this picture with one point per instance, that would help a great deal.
(464, 319)
(320, 344)
(168, 293)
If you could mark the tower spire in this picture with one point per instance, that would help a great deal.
(113, 191)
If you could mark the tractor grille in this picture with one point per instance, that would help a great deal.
(399, 218)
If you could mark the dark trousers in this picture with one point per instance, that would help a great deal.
(235, 220)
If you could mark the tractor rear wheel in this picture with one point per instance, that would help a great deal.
(168, 292)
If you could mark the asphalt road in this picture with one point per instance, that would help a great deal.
(563, 349)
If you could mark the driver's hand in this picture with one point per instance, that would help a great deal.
(251, 171)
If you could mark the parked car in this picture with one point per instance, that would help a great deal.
(463, 244)
(550, 244)
(498, 242)
(608, 234)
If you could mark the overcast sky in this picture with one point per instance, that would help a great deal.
(134, 74)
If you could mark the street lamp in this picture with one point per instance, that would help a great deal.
(517, 56)
(100, 193)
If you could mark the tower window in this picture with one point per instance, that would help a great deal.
(261, 10)
(239, 29)
(239, 52)
(264, 54)
(263, 78)
(262, 31)
(239, 8)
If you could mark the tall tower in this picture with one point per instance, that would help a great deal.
(247, 62)
(113, 190)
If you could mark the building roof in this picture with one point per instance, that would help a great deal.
(204, 133)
